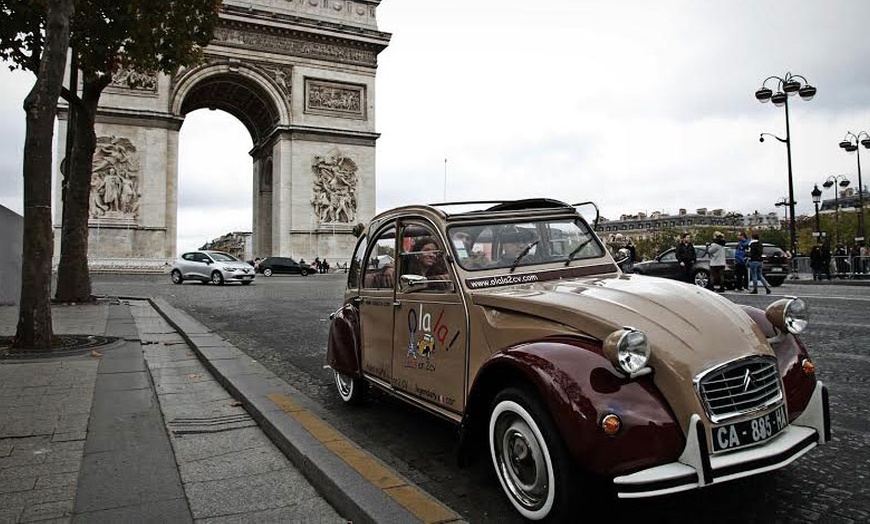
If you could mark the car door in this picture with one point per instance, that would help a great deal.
(376, 302)
(666, 265)
(187, 265)
(429, 340)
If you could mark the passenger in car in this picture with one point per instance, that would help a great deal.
(427, 260)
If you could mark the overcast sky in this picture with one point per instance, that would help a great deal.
(636, 105)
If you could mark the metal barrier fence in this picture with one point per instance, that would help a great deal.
(838, 267)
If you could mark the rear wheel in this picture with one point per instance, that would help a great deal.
(304, 272)
(217, 278)
(530, 460)
(775, 281)
(351, 390)
(176, 277)
(267, 272)
(702, 278)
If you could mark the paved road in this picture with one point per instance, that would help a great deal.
(282, 322)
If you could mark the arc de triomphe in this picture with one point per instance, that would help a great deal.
(300, 75)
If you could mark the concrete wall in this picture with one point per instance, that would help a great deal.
(11, 235)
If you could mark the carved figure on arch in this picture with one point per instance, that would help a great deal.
(115, 179)
(335, 185)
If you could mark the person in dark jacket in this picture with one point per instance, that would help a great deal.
(755, 261)
(686, 257)
(817, 262)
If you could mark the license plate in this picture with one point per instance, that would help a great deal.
(776, 270)
(748, 432)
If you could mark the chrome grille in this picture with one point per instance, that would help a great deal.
(740, 387)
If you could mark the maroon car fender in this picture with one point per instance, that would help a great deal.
(580, 386)
(790, 353)
(343, 350)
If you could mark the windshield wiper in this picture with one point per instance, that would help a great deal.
(577, 250)
(522, 254)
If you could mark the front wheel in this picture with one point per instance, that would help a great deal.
(217, 278)
(304, 272)
(530, 460)
(176, 277)
(702, 278)
(351, 390)
(775, 281)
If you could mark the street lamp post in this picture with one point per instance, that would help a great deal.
(787, 86)
(850, 143)
(817, 198)
(832, 181)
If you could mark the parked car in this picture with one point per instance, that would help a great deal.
(514, 323)
(775, 265)
(216, 267)
(283, 266)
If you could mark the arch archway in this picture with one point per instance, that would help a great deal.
(300, 78)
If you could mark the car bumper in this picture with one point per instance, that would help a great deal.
(696, 468)
(238, 276)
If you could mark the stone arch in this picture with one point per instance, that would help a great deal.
(300, 76)
(240, 89)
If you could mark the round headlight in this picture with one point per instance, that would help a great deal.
(628, 349)
(788, 314)
(796, 316)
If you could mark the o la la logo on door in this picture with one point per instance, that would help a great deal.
(420, 323)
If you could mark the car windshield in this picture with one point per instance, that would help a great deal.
(223, 257)
(515, 244)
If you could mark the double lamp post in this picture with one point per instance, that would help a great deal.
(850, 144)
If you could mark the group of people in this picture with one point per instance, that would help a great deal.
(845, 261)
(747, 258)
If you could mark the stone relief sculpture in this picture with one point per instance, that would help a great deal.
(334, 98)
(335, 185)
(115, 179)
(132, 79)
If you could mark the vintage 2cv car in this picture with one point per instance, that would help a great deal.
(513, 321)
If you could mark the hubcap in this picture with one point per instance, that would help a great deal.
(344, 385)
(521, 462)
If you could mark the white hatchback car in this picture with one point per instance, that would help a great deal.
(216, 267)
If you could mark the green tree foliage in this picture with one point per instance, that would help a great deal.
(35, 35)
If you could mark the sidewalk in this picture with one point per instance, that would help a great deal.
(170, 423)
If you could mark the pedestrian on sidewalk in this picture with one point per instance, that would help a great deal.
(741, 276)
(686, 257)
(817, 261)
(755, 263)
(716, 250)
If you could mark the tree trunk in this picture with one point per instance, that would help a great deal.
(34, 317)
(73, 276)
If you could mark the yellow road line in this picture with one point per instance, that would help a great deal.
(412, 498)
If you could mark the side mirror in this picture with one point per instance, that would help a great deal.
(208, 262)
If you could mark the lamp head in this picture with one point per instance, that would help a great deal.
(866, 143)
(844, 183)
(779, 99)
(828, 183)
(845, 144)
(852, 148)
(817, 194)
(807, 92)
(763, 94)
(761, 138)
(791, 87)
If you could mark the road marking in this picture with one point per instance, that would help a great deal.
(412, 498)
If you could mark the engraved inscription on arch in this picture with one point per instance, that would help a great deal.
(285, 44)
(335, 99)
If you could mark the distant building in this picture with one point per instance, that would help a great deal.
(848, 198)
(238, 243)
(643, 225)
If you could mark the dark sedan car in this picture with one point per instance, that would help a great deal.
(283, 266)
(774, 268)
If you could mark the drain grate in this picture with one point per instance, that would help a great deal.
(194, 425)
(62, 345)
